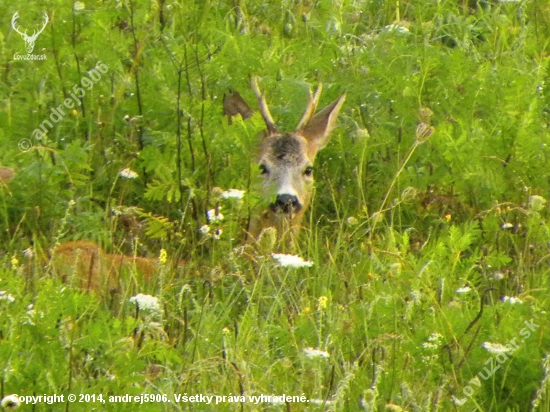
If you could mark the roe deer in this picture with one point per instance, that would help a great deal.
(286, 165)
(96, 270)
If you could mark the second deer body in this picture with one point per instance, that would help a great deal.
(93, 269)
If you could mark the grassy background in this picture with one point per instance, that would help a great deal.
(463, 209)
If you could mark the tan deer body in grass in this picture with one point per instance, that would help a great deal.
(93, 269)
(286, 165)
(86, 265)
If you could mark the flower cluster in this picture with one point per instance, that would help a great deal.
(128, 174)
(315, 353)
(146, 302)
(291, 261)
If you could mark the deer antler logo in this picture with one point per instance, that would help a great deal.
(29, 40)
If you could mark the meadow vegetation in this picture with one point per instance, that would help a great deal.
(429, 229)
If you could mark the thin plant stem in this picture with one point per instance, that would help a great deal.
(392, 184)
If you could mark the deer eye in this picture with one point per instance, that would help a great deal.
(263, 170)
(308, 171)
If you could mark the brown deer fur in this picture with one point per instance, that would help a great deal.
(96, 270)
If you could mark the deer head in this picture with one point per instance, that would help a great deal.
(286, 164)
(29, 40)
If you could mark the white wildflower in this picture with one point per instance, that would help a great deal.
(31, 315)
(214, 215)
(233, 194)
(28, 253)
(498, 275)
(291, 261)
(217, 234)
(10, 402)
(205, 229)
(6, 296)
(397, 28)
(128, 174)
(506, 226)
(433, 341)
(315, 353)
(146, 302)
(430, 345)
(465, 289)
(536, 203)
(511, 299)
(435, 337)
(495, 348)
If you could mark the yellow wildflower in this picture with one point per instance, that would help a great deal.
(163, 257)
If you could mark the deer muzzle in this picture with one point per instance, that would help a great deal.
(288, 204)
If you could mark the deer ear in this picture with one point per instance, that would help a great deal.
(317, 130)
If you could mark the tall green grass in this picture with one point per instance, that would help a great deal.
(415, 246)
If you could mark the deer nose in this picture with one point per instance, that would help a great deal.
(287, 203)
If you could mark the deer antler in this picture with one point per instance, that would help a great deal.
(13, 23)
(311, 107)
(264, 110)
(25, 35)
(36, 33)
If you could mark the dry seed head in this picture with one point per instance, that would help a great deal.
(267, 240)
(423, 131)
(425, 114)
